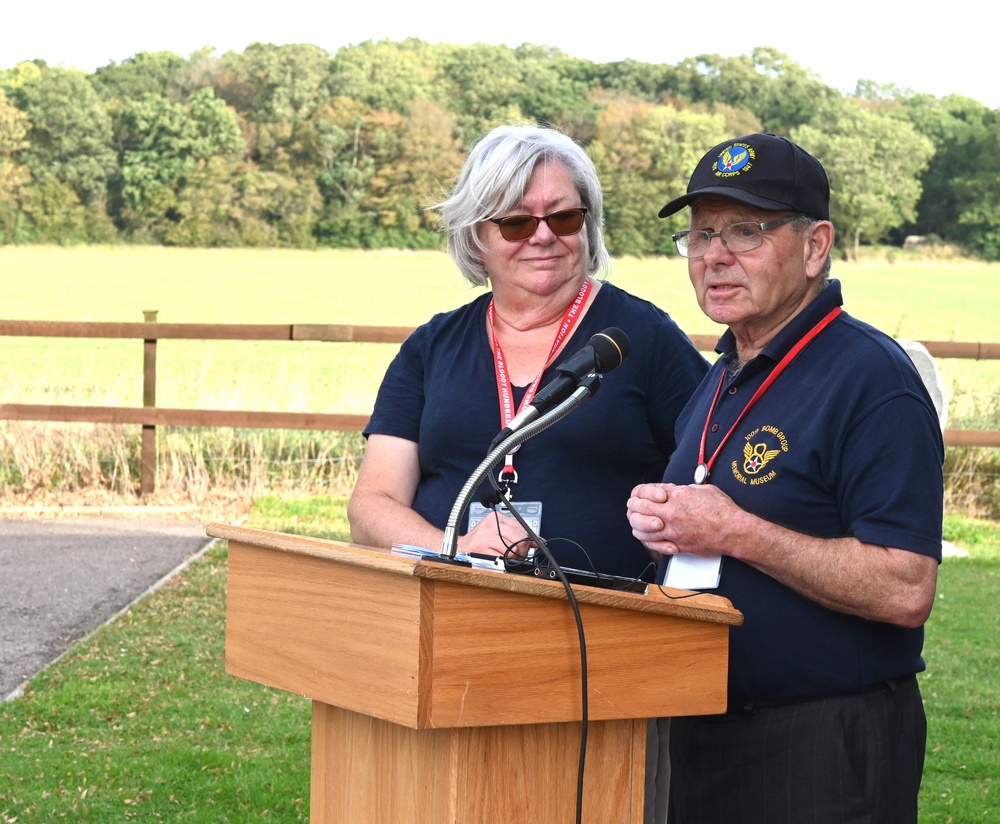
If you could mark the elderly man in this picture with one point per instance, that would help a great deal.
(809, 463)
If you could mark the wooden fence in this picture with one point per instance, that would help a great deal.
(149, 416)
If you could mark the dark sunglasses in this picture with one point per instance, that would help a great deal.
(521, 227)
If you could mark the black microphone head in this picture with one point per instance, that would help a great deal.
(611, 347)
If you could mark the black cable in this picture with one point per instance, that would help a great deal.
(501, 497)
(571, 596)
(666, 594)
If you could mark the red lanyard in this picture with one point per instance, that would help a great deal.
(503, 383)
(704, 467)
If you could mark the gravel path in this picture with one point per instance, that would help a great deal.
(62, 578)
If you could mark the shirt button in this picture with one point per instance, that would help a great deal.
(732, 390)
(715, 427)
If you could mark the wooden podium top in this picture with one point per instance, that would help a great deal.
(425, 644)
(700, 606)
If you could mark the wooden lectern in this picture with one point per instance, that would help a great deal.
(444, 694)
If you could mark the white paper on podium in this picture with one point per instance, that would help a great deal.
(688, 571)
(478, 562)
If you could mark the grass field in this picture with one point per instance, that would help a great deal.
(139, 722)
(947, 300)
(952, 300)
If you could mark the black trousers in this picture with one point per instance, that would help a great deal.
(844, 760)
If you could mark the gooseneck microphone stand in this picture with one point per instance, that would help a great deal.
(449, 544)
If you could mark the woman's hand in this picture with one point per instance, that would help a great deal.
(494, 534)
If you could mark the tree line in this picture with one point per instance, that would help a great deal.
(291, 146)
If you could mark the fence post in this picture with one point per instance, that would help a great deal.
(147, 481)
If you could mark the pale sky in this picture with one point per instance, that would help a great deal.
(950, 50)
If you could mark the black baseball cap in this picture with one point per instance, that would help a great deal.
(761, 170)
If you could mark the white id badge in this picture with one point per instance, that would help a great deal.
(689, 571)
(531, 511)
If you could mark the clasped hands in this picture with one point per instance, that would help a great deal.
(669, 518)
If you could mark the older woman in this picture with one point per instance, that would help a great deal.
(525, 219)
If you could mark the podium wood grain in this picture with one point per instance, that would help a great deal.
(524, 773)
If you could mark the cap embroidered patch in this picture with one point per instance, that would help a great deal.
(735, 159)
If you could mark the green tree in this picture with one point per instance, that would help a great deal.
(484, 88)
(875, 92)
(70, 132)
(273, 209)
(550, 88)
(70, 150)
(274, 84)
(339, 135)
(379, 171)
(387, 75)
(163, 74)
(276, 90)
(777, 90)
(206, 210)
(644, 155)
(416, 163)
(644, 81)
(159, 142)
(14, 127)
(957, 126)
(737, 121)
(874, 163)
(977, 194)
(17, 76)
(51, 212)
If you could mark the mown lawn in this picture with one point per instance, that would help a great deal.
(140, 722)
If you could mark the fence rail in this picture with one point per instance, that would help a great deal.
(149, 416)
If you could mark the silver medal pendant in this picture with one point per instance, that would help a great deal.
(701, 474)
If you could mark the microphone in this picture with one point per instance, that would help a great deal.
(604, 351)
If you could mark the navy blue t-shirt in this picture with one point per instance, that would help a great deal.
(845, 442)
(441, 392)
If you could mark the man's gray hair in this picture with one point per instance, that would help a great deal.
(493, 181)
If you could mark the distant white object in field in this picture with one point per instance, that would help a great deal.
(931, 376)
(949, 550)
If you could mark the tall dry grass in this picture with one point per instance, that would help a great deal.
(55, 463)
(48, 464)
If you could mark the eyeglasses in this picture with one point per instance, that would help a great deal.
(521, 227)
(736, 237)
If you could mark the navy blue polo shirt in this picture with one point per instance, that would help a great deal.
(441, 392)
(845, 442)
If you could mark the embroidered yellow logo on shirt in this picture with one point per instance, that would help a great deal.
(757, 456)
(760, 448)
